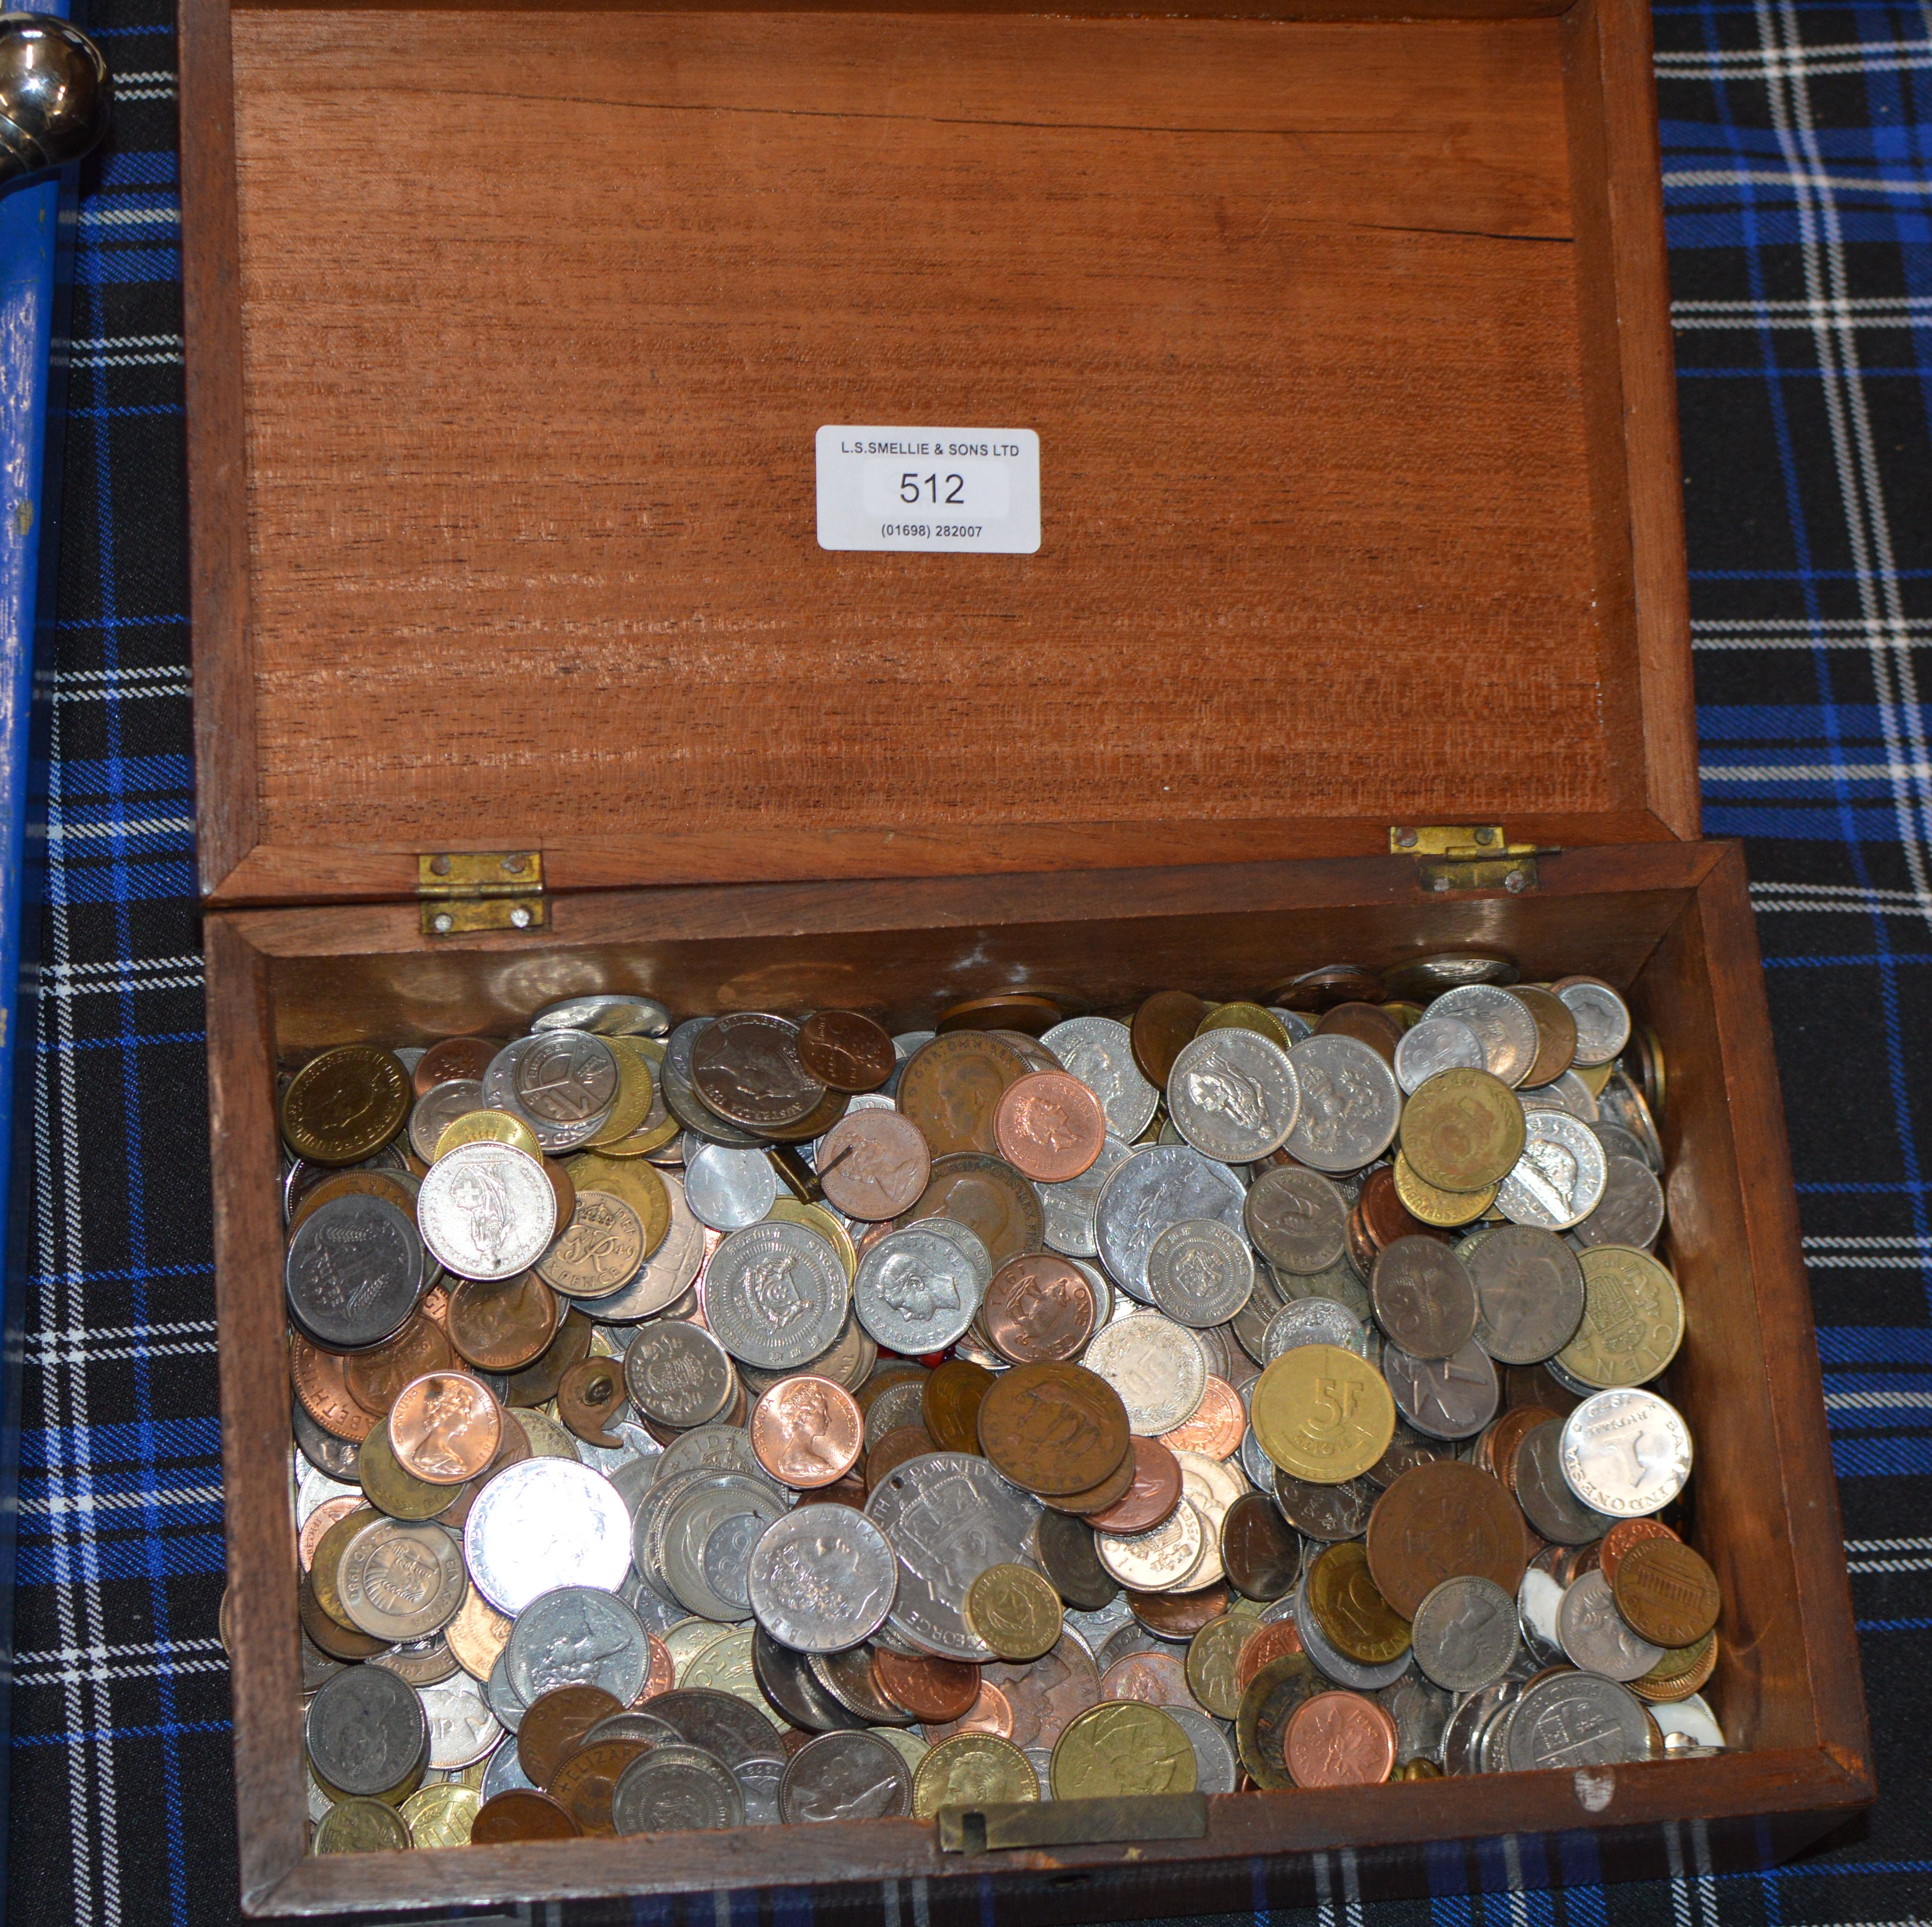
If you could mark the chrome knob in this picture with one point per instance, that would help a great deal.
(54, 94)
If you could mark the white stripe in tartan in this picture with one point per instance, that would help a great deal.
(1778, 632)
(126, 826)
(54, 1354)
(1852, 896)
(1868, 1244)
(1807, 772)
(1876, 1401)
(122, 1502)
(128, 216)
(1782, 61)
(1856, 311)
(100, 1676)
(121, 695)
(1752, 177)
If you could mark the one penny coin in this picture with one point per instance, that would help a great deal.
(1013, 1010)
(990, 1198)
(554, 1725)
(375, 1377)
(1179, 1615)
(321, 1383)
(846, 1051)
(1438, 1522)
(1039, 1307)
(936, 1691)
(521, 1814)
(873, 1164)
(1622, 1536)
(892, 1449)
(1340, 1739)
(660, 1670)
(807, 1431)
(1384, 1217)
(590, 1395)
(1097, 1498)
(1555, 1034)
(1332, 984)
(445, 1428)
(1053, 1428)
(990, 1712)
(455, 1060)
(504, 1325)
(1151, 1498)
(584, 1784)
(1260, 1552)
(1049, 1127)
(951, 1089)
(1277, 1639)
(1167, 1021)
(950, 1403)
(1217, 1425)
(1367, 1023)
(1667, 1592)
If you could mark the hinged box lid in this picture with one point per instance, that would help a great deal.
(510, 331)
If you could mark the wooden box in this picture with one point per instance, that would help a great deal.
(1344, 331)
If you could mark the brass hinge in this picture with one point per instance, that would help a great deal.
(467, 890)
(1466, 857)
(988, 1828)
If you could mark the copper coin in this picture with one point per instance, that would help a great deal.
(1555, 1034)
(391, 1186)
(445, 1428)
(1049, 1127)
(660, 1671)
(1217, 1425)
(589, 1395)
(1178, 1615)
(1276, 1639)
(1155, 1678)
(375, 1377)
(1045, 1693)
(1261, 1552)
(950, 1402)
(1620, 1537)
(583, 1784)
(1367, 1023)
(453, 1060)
(845, 1051)
(554, 1725)
(1038, 1307)
(321, 1382)
(1168, 1019)
(1110, 1491)
(933, 1690)
(1384, 1217)
(851, 1491)
(873, 1164)
(990, 1712)
(1053, 1428)
(1505, 1437)
(1035, 1015)
(1151, 1498)
(745, 1066)
(807, 1431)
(1339, 1740)
(951, 1089)
(1440, 1521)
(893, 1449)
(502, 1326)
(990, 1198)
(329, 1634)
(1667, 1592)
(316, 1525)
(515, 1449)
(1533, 1384)
(536, 1383)
(521, 1814)
(1332, 984)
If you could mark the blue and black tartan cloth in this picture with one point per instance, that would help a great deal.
(1797, 177)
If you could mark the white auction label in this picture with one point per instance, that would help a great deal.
(947, 489)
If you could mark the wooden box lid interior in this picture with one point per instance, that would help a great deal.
(510, 330)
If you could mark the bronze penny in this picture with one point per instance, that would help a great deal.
(536, 1383)
(1268, 1703)
(1217, 1425)
(660, 1672)
(1667, 1592)
(1271, 1639)
(1533, 1384)
(445, 1428)
(1332, 984)
(932, 1690)
(1262, 1555)
(1152, 1497)
(815, 1123)
(950, 1403)
(1385, 1217)
(375, 1377)
(1339, 1740)
(563, 1185)
(337, 1640)
(951, 1089)
(589, 1395)
(321, 1382)
(397, 1188)
(1110, 1491)
(1163, 1024)
(584, 1784)
(504, 1325)
(873, 1164)
(1441, 1521)
(521, 1814)
(1035, 1015)
(1505, 1437)
(846, 1051)
(894, 1449)
(806, 1431)
(554, 1725)
(1039, 1308)
(1049, 1127)
(990, 1198)
(516, 1447)
(990, 1712)
(851, 1491)
(318, 1523)
(1367, 1023)
(456, 1059)
(1555, 1034)
(1620, 1537)
(1053, 1428)
(1045, 1695)
(1178, 1615)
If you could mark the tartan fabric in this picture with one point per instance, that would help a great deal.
(1800, 207)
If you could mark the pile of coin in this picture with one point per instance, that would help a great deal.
(750, 1418)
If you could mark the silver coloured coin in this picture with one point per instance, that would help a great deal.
(462, 1728)
(1098, 1050)
(1538, 1601)
(845, 1776)
(1560, 1176)
(1155, 1186)
(759, 1780)
(678, 1373)
(702, 1541)
(1163, 1559)
(1621, 1103)
(1576, 1720)
(606, 1013)
(564, 1082)
(438, 1108)
(1603, 1021)
(504, 1773)
(1069, 1207)
(1421, 1712)
(1216, 1768)
(1200, 1271)
(775, 1296)
(676, 1789)
(1351, 1105)
(1690, 1721)
(542, 1524)
(916, 1291)
(666, 1275)
(365, 1730)
(1465, 1633)
(317, 1489)
(1332, 1664)
(1453, 1397)
(680, 1094)
(1469, 1726)
(712, 1448)
(1156, 1366)
(1314, 1321)
(577, 1636)
(727, 1189)
(1292, 1021)
(1423, 1297)
(354, 1268)
(1595, 1637)
(1436, 1043)
(1567, 1092)
(1630, 1211)
(1529, 1292)
(501, 1697)
(1502, 1023)
(399, 1581)
(1254, 1462)
(1543, 1492)
(949, 1516)
(1297, 1219)
(1325, 1512)
(1627, 1453)
(822, 1579)
(968, 1242)
(487, 1211)
(1233, 1095)
(900, 1404)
